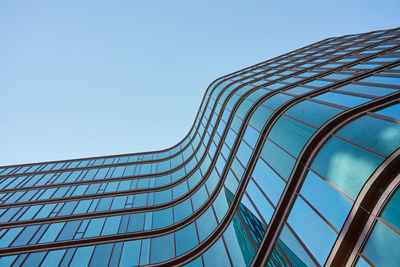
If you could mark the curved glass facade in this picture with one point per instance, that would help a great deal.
(288, 163)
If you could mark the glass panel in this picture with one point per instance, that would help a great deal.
(291, 135)
(186, 239)
(305, 111)
(382, 248)
(332, 204)
(391, 213)
(313, 232)
(345, 166)
(216, 255)
(342, 99)
(375, 134)
(162, 248)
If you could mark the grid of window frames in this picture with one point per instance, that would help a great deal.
(210, 199)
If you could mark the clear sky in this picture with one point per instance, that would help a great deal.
(93, 78)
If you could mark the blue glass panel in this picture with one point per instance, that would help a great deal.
(111, 225)
(101, 255)
(52, 232)
(313, 232)
(206, 223)
(162, 248)
(186, 239)
(298, 90)
(281, 161)
(382, 247)
(271, 184)
(94, 227)
(367, 89)
(53, 258)
(69, 230)
(216, 255)
(332, 204)
(293, 249)
(244, 153)
(342, 99)
(130, 254)
(392, 111)
(259, 201)
(362, 263)
(319, 83)
(34, 259)
(251, 136)
(82, 256)
(382, 79)
(345, 166)
(221, 203)
(182, 210)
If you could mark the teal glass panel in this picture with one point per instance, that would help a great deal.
(182, 210)
(269, 182)
(276, 100)
(391, 213)
(345, 166)
(238, 244)
(316, 235)
(293, 249)
(259, 117)
(162, 248)
(221, 203)
(382, 247)
(162, 218)
(276, 258)
(332, 204)
(216, 255)
(342, 99)
(130, 254)
(291, 135)
(305, 111)
(82, 256)
(195, 263)
(278, 159)
(53, 258)
(186, 239)
(375, 134)
(162, 196)
(206, 223)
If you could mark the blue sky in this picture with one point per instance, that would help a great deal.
(92, 78)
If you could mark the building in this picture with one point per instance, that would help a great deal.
(294, 161)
